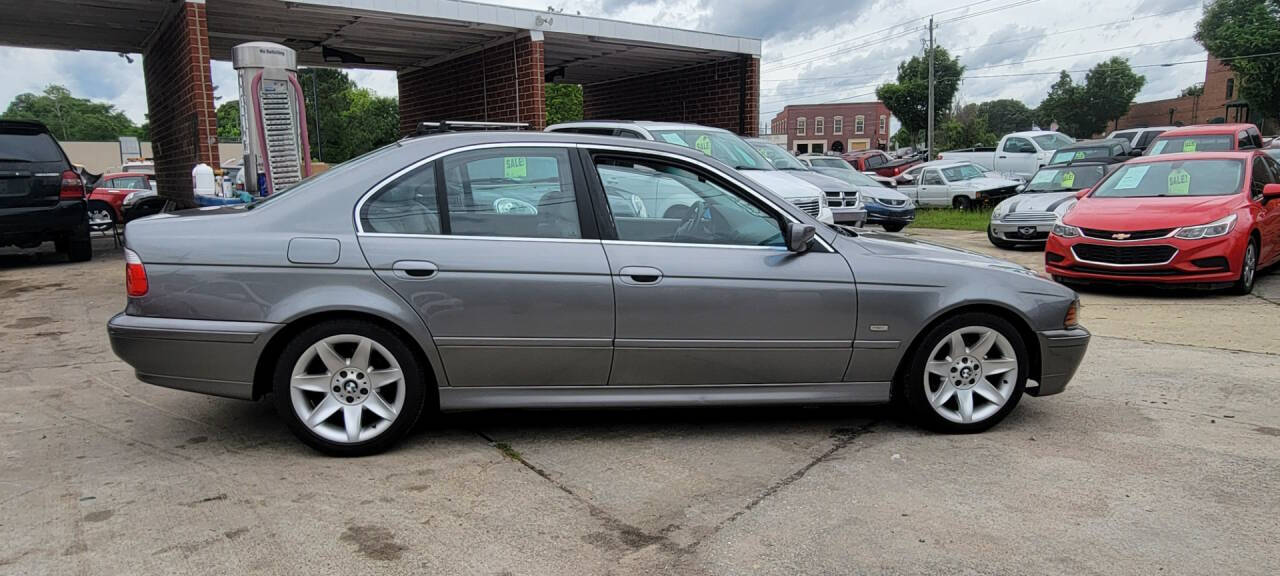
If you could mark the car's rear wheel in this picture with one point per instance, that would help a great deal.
(1248, 269)
(78, 246)
(349, 387)
(967, 374)
(101, 216)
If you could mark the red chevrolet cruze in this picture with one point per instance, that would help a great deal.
(1207, 219)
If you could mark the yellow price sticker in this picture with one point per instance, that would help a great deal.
(1188, 145)
(1179, 182)
(515, 167)
(703, 144)
(1080, 155)
(1068, 179)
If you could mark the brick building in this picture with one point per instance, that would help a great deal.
(1220, 102)
(843, 127)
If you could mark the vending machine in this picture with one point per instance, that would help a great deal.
(273, 120)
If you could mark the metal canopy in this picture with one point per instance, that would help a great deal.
(387, 34)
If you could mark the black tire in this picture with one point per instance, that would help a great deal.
(1248, 269)
(962, 203)
(893, 227)
(412, 371)
(77, 246)
(912, 386)
(998, 243)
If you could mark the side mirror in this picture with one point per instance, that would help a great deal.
(1081, 193)
(1136, 152)
(1021, 188)
(1271, 191)
(798, 236)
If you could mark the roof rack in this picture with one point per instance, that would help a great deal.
(461, 125)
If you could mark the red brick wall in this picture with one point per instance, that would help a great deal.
(501, 83)
(785, 123)
(184, 127)
(709, 94)
(1187, 110)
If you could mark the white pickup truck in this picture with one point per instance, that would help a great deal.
(1019, 154)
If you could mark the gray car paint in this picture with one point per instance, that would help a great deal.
(724, 324)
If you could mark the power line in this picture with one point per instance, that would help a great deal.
(870, 34)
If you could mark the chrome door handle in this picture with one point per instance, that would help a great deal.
(640, 275)
(415, 269)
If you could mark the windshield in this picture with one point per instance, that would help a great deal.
(723, 146)
(1081, 154)
(1063, 179)
(831, 162)
(126, 183)
(778, 157)
(1274, 153)
(853, 177)
(1181, 178)
(1196, 143)
(962, 172)
(1053, 141)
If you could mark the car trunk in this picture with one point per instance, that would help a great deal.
(31, 167)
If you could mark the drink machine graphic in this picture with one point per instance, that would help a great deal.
(273, 120)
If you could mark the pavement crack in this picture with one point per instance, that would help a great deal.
(1184, 345)
(844, 437)
(629, 536)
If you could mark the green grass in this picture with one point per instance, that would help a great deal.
(952, 219)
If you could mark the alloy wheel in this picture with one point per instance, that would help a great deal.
(970, 374)
(347, 388)
(1250, 268)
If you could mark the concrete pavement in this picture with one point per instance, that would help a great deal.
(1163, 456)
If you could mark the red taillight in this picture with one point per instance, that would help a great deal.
(72, 186)
(135, 275)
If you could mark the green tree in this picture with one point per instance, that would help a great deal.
(1109, 88)
(71, 118)
(229, 120)
(966, 128)
(369, 122)
(1196, 89)
(908, 98)
(564, 102)
(1065, 104)
(326, 93)
(1234, 30)
(1006, 115)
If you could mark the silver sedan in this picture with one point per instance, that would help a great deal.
(491, 270)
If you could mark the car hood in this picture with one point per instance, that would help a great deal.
(1124, 214)
(881, 193)
(822, 181)
(783, 184)
(1058, 202)
(984, 183)
(900, 248)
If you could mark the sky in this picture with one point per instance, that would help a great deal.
(814, 51)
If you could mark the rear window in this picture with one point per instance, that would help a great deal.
(1196, 143)
(1065, 156)
(29, 148)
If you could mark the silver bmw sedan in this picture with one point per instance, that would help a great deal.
(473, 270)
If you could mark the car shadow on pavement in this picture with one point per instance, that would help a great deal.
(45, 255)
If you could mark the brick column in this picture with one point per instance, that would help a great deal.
(724, 94)
(184, 125)
(500, 82)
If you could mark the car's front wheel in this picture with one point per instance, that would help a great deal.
(893, 226)
(997, 242)
(349, 387)
(967, 374)
(1248, 269)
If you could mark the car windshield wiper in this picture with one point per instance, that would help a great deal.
(7, 159)
(744, 167)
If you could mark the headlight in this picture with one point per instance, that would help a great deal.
(1210, 230)
(1065, 231)
(869, 199)
(822, 200)
(1000, 211)
(130, 198)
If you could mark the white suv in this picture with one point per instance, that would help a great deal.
(720, 144)
(1140, 138)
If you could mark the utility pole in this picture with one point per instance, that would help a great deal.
(929, 145)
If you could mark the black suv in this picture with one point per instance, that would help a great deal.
(42, 198)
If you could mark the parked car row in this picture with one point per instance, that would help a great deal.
(1199, 208)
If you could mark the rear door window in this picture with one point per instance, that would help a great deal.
(1147, 137)
(512, 192)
